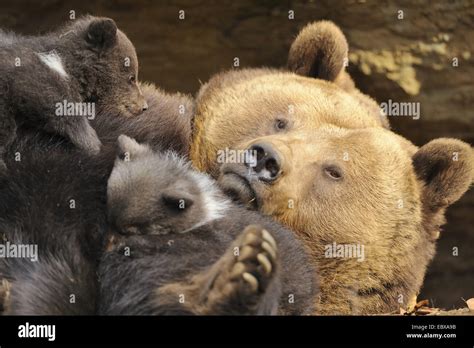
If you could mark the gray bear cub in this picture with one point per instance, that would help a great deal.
(178, 245)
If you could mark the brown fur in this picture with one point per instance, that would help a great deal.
(241, 105)
(259, 98)
(165, 125)
(320, 51)
(384, 202)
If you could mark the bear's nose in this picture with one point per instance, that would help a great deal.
(145, 106)
(265, 162)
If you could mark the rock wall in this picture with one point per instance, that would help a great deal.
(414, 51)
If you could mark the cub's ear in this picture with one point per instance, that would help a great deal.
(446, 166)
(101, 34)
(318, 51)
(128, 148)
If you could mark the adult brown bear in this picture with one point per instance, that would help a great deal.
(367, 203)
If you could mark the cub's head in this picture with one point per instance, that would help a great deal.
(241, 105)
(156, 193)
(106, 64)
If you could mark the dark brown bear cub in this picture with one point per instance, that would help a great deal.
(53, 82)
(55, 198)
(179, 246)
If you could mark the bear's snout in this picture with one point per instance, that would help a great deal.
(267, 162)
(137, 108)
(136, 103)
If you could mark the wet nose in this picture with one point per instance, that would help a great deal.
(265, 162)
(145, 106)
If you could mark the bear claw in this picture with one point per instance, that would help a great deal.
(243, 278)
(253, 267)
(251, 280)
(258, 256)
(265, 263)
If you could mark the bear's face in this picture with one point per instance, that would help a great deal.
(120, 87)
(265, 104)
(368, 188)
(329, 180)
(154, 193)
(105, 64)
(241, 105)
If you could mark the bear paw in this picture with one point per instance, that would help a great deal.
(247, 270)
(255, 259)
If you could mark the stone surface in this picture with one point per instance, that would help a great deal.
(407, 56)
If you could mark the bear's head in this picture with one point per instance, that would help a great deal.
(241, 105)
(104, 62)
(150, 192)
(368, 192)
(314, 152)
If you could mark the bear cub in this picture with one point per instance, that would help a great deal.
(53, 82)
(52, 204)
(55, 198)
(179, 246)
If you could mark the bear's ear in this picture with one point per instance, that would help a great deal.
(101, 34)
(446, 166)
(128, 148)
(319, 51)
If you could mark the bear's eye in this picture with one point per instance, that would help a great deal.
(333, 172)
(280, 124)
(124, 156)
(132, 79)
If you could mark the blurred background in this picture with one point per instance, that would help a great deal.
(416, 50)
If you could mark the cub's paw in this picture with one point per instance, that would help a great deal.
(255, 259)
(247, 270)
